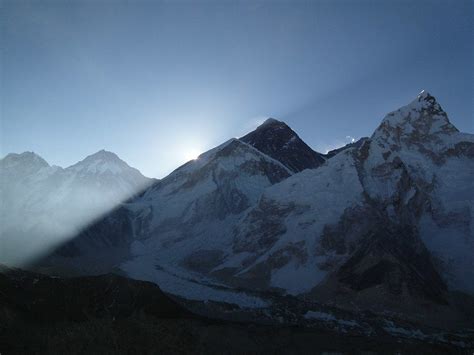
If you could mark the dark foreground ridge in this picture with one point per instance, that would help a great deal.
(111, 314)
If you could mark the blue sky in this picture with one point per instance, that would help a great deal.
(159, 81)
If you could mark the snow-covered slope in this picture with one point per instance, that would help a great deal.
(43, 204)
(415, 172)
(183, 224)
(438, 162)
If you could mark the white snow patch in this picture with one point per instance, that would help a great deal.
(144, 268)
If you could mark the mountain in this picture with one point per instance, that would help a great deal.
(105, 180)
(275, 139)
(186, 219)
(43, 204)
(105, 163)
(390, 219)
(384, 225)
(21, 164)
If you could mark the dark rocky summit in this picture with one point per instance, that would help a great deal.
(277, 140)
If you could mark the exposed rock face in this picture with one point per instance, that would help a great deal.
(280, 142)
(394, 258)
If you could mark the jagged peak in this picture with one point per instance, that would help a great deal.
(425, 99)
(422, 124)
(424, 94)
(423, 115)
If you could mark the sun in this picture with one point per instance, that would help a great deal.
(192, 154)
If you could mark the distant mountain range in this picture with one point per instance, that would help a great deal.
(383, 224)
(42, 204)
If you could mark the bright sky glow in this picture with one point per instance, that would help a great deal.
(156, 82)
(192, 154)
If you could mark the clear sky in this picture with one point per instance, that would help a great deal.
(159, 81)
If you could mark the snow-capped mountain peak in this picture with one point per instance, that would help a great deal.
(421, 125)
(18, 166)
(425, 101)
(30, 158)
(101, 162)
(422, 117)
(51, 203)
